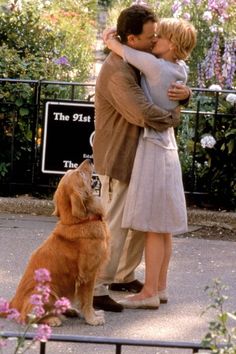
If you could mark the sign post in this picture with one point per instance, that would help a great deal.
(68, 135)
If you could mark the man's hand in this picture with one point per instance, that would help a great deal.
(179, 92)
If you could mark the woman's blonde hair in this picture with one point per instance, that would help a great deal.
(179, 32)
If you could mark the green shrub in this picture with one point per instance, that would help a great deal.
(38, 36)
(221, 337)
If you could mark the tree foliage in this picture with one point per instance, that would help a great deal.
(35, 34)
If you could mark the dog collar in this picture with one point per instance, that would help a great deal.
(90, 218)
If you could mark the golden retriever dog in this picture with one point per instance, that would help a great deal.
(73, 253)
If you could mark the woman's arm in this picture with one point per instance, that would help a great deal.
(147, 63)
(112, 42)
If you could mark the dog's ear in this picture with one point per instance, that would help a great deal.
(78, 208)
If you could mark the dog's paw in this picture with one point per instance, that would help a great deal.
(52, 321)
(99, 313)
(95, 320)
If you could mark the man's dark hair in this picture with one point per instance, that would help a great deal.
(132, 19)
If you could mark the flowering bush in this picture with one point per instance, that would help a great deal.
(216, 48)
(207, 148)
(65, 27)
(39, 301)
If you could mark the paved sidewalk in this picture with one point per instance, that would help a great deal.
(194, 265)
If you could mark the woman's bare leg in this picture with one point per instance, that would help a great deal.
(162, 282)
(158, 249)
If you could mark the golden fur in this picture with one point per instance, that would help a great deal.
(73, 253)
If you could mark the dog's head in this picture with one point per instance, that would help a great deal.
(74, 199)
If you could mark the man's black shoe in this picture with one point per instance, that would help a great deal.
(106, 303)
(134, 286)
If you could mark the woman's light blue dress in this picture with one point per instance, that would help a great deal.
(155, 199)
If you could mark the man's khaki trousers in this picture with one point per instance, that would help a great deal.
(126, 246)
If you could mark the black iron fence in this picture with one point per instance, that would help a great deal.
(208, 174)
(116, 343)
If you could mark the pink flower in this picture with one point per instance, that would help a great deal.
(187, 16)
(3, 343)
(13, 314)
(4, 305)
(61, 61)
(45, 292)
(38, 311)
(43, 289)
(43, 333)
(176, 7)
(36, 299)
(61, 305)
(42, 275)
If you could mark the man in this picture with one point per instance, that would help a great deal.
(121, 110)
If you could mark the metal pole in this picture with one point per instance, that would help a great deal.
(42, 347)
(118, 348)
(195, 146)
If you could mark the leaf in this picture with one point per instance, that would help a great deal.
(24, 112)
(230, 146)
(18, 102)
(222, 147)
(232, 131)
(223, 317)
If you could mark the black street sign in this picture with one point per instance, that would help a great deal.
(68, 135)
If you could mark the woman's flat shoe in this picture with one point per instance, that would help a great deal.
(148, 303)
(163, 296)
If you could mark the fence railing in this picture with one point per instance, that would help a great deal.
(117, 343)
(22, 122)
